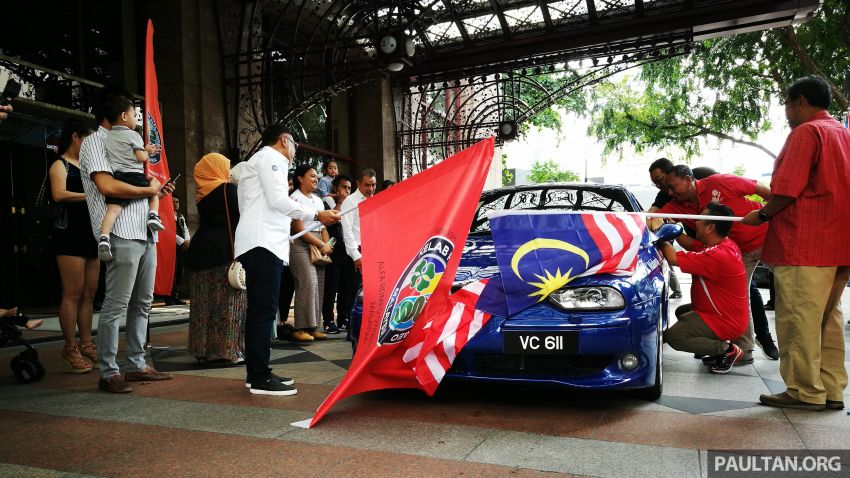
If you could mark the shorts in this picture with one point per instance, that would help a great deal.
(133, 179)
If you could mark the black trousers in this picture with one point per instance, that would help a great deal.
(262, 275)
(340, 287)
(178, 273)
(761, 328)
(287, 290)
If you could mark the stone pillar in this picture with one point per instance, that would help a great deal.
(188, 63)
(372, 126)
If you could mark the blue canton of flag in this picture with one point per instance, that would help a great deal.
(541, 252)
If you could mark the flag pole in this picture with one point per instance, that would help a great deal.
(694, 217)
(315, 226)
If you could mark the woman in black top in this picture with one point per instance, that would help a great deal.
(217, 315)
(76, 251)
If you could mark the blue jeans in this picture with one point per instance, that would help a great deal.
(262, 277)
(129, 293)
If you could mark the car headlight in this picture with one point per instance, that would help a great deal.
(588, 298)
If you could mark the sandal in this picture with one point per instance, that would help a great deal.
(73, 361)
(89, 352)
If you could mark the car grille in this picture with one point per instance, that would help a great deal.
(535, 365)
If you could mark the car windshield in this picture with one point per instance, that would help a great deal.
(549, 198)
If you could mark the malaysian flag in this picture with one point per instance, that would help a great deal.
(540, 252)
(445, 333)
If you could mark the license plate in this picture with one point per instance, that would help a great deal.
(543, 343)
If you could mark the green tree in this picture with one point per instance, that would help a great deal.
(549, 171)
(739, 170)
(725, 88)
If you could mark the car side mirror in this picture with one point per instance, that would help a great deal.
(669, 232)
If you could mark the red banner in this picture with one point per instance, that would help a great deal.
(158, 167)
(412, 235)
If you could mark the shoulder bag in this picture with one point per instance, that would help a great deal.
(236, 273)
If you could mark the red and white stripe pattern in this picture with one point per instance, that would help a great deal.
(618, 237)
(445, 335)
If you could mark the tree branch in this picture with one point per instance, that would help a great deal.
(733, 139)
(810, 66)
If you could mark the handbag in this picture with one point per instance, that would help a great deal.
(49, 212)
(316, 257)
(235, 273)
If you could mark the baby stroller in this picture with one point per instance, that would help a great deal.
(26, 366)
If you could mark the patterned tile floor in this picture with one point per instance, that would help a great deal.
(204, 423)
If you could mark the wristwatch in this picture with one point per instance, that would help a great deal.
(763, 217)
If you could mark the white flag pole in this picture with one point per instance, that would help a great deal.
(315, 226)
(695, 217)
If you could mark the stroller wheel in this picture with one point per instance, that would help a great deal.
(27, 368)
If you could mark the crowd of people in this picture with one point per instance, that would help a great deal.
(791, 230)
(248, 213)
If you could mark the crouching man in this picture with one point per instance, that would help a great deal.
(719, 311)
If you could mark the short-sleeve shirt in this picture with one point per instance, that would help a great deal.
(814, 169)
(730, 191)
(132, 223)
(324, 187)
(719, 291)
(312, 201)
(121, 146)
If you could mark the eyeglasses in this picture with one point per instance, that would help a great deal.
(294, 143)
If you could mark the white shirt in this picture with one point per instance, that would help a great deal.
(132, 223)
(265, 209)
(351, 224)
(314, 202)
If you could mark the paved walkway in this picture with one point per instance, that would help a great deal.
(205, 423)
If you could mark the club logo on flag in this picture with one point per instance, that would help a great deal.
(153, 138)
(413, 288)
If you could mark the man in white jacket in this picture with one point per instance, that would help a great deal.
(262, 246)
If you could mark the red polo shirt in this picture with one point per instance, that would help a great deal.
(814, 168)
(719, 291)
(730, 191)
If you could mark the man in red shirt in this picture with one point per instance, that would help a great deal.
(808, 246)
(691, 196)
(719, 291)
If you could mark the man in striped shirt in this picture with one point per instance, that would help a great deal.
(130, 275)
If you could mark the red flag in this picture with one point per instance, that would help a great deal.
(412, 237)
(158, 167)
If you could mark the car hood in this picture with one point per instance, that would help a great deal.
(479, 262)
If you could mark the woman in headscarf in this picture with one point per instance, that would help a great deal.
(217, 315)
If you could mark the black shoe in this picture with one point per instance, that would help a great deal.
(271, 386)
(770, 305)
(676, 295)
(343, 325)
(768, 347)
(331, 328)
(284, 380)
(835, 404)
(711, 360)
(727, 360)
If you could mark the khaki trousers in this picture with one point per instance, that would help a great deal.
(810, 331)
(691, 334)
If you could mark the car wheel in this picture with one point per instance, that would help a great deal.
(653, 393)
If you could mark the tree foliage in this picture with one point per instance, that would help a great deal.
(724, 89)
(548, 171)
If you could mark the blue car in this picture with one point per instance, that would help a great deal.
(602, 332)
